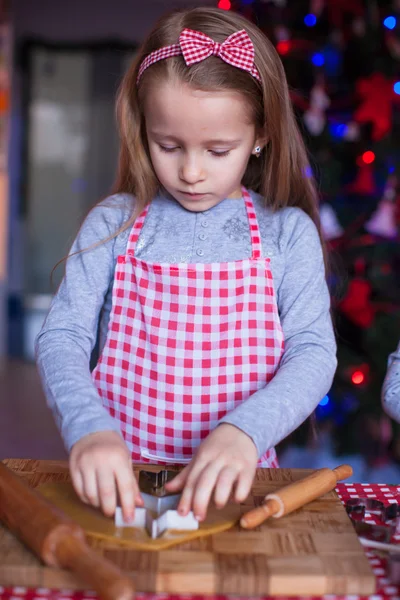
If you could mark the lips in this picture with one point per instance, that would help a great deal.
(193, 195)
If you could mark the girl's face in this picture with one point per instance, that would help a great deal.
(199, 142)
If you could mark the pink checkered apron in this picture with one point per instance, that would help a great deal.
(186, 344)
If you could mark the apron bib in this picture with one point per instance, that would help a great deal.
(186, 344)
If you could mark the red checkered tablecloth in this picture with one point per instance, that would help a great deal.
(385, 590)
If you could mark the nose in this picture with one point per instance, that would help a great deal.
(191, 170)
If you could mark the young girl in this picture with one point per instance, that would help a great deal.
(204, 272)
(391, 387)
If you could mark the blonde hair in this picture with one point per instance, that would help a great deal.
(282, 173)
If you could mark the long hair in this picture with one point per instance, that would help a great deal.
(282, 173)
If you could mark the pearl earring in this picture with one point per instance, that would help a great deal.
(257, 151)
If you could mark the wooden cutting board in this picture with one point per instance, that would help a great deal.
(313, 551)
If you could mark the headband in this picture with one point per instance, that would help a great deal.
(237, 50)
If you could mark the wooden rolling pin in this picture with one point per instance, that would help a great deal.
(56, 539)
(295, 495)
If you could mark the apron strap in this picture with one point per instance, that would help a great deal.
(255, 237)
(135, 232)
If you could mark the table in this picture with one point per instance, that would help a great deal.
(385, 590)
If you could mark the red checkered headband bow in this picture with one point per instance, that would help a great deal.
(237, 50)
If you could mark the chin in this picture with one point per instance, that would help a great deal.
(197, 205)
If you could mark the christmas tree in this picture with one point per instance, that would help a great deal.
(342, 60)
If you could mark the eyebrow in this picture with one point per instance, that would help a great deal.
(158, 134)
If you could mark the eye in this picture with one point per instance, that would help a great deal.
(220, 154)
(168, 149)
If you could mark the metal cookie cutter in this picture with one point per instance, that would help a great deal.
(378, 536)
(159, 512)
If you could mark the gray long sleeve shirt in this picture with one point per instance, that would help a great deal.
(172, 234)
(391, 386)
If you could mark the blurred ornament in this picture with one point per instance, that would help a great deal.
(331, 228)
(351, 132)
(357, 304)
(364, 183)
(376, 93)
(383, 220)
(314, 117)
(281, 33)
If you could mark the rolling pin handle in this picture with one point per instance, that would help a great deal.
(295, 495)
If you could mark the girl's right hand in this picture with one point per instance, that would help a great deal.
(101, 471)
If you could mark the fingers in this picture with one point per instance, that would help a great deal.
(90, 490)
(223, 488)
(107, 491)
(198, 479)
(102, 487)
(77, 482)
(177, 483)
(128, 491)
(202, 480)
(187, 478)
(202, 489)
(244, 484)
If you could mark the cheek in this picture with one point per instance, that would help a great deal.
(162, 164)
(234, 166)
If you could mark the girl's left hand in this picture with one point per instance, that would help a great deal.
(226, 459)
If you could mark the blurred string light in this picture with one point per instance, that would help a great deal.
(308, 172)
(337, 130)
(283, 47)
(390, 22)
(368, 157)
(357, 377)
(318, 59)
(310, 20)
(325, 409)
(224, 4)
(396, 87)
